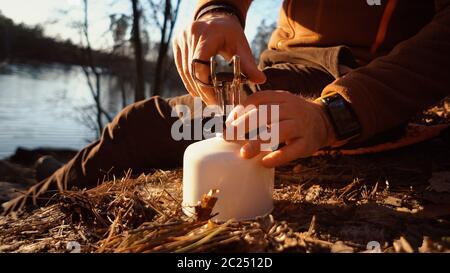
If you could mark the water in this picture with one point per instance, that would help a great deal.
(47, 105)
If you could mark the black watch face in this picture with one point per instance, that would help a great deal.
(345, 122)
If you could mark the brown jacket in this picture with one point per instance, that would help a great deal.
(403, 44)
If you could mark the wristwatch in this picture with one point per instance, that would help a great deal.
(342, 117)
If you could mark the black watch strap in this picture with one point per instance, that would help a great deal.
(342, 117)
(222, 7)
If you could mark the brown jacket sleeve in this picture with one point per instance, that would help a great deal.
(241, 5)
(416, 74)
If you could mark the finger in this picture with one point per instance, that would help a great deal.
(296, 148)
(204, 50)
(210, 47)
(202, 73)
(250, 149)
(247, 122)
(285, 131)
(237, 111)
(268, 97)
(178, 45)
(185, 66)
(250, 118)
(179, 64)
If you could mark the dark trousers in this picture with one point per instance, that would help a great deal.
(139, 137)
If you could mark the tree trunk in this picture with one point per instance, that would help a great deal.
(139, 93)
(161, 52)
(95, 91)
(166, 34)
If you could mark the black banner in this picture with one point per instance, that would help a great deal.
(289, 262)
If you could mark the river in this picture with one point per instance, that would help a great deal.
(47, 105)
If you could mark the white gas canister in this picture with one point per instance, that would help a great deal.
(245, 186)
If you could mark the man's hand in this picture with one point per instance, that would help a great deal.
(215, 33)
(303, 126)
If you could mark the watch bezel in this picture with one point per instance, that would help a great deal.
(342, 117)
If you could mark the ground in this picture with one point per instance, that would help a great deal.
(398, 200)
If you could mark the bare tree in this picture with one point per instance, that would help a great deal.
(166, 24)
(91, 69)
(119, 24)
(137, 43)
(261, 40)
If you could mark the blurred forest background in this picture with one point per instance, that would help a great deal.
(64, 77)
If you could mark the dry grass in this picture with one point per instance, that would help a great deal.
(328, 203)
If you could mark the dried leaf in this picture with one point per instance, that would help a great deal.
(313, 193)
(204, 209)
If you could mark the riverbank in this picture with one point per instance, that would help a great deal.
(17, 172)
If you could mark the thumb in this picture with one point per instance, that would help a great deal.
(250, 149)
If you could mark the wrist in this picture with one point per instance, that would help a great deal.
(218, 14)
(330, 139)
(220, 9)
(340, 115)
